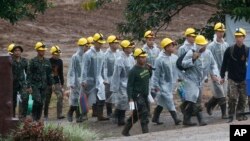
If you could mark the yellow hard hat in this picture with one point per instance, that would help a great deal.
(112, 39)
(200, 40)
(98, 37)
(82, 42)
(219, 27)
(126, 44)
(149, 34)
(165, 42)
(40, 46)
(10, 48)
(240, 32)
(138, 52)
(90, 41)
(190, 32)
(55, 50)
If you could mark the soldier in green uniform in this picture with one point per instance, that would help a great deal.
(138, 90)
(19, 71)
(39, 78)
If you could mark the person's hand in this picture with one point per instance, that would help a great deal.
(196, 55)
(156, 90)
(222, 81)
(131, 105)
(84, 84)
(53, 87)
(66, 94)
(202, 49)
(29, 90)
(215, 78)
(206, 80)
(105, 82)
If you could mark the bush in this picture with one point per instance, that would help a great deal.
(36, 131)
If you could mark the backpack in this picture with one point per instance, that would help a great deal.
(179, 62)
(232, 51)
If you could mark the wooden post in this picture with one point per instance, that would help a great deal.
(6, 90)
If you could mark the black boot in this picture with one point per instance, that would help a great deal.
(144, 128)
(121, 117)
(210, 105)
(115, 116)
(109, 109)
(200, 119)
(188, 110)
(100, 116)
(70, 113)
(127, 127)
(94, 110)
(177, 121)
(249, 103)
(156, 115)
(223, 107)
(230, 118)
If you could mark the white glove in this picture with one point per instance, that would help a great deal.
(131, 105)
(19, 97)
(151, 99)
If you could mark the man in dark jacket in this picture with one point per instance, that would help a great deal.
(57, 71)
(234, 62)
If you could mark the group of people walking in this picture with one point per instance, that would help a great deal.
(128, 78)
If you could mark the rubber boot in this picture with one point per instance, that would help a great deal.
(121, 117)
(200, 119)
(127, 127)
(156, 115)
(59, 107)
(249, 103)
(188, 110)
(175, 118)
(94, 110)
(144, 128)
(78, 115)
(210, 105)
(230, 118)
(70, 113)
(223, 107)
(34, 111)
(100, 116)
(109, 109)
(115, 116)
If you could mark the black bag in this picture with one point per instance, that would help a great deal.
(179, 62)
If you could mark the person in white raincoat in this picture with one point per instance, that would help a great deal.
(92, 78)
(111, 55)
(198, 64)
(164, 80)
(188, 44)
(123, 64)
(152, 50)
(73, 80)
(218, 48)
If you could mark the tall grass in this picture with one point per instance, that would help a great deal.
(75, 132)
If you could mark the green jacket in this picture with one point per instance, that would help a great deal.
(19, 71)
(40, 73)
(138, 82)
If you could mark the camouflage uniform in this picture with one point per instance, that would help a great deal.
(57, 70)
(236, 96)
(138, 90)
(39, 78)
(234, 62)
(19, 70)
